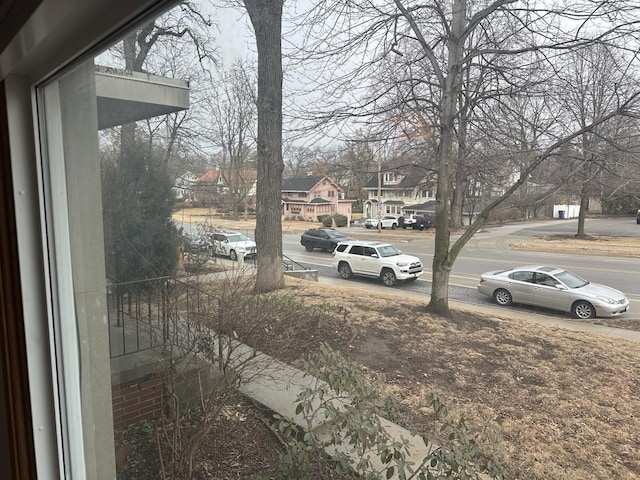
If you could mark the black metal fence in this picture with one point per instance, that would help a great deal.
(159, 312)
(153, 313)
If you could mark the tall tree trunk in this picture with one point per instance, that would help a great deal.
(450, 95)
(584, 206)
(266, 18)
(457, 204)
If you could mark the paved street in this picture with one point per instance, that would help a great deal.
(489, 249)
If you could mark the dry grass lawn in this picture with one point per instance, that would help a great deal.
(564, 403)
(625, 246)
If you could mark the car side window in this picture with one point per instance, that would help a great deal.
(544, 279)
(368, 251)
(357, 250)
(522, 276)
(341, 248)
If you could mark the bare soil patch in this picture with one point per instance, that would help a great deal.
(565, 404)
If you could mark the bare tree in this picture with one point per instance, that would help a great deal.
(183, 22)
(266, 18)
(233, 109)
(440, 50)
(591, 83)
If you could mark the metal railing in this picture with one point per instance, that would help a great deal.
(155, 313)
(146, 314)
(289, 264)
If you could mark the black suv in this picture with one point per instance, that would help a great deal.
(423, 222)
(322, 238)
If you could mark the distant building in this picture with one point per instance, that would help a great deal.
(306, 197)
(183, 185)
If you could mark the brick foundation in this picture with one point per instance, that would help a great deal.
(137, 400)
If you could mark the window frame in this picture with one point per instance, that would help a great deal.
(53, 36)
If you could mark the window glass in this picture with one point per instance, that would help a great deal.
(117, 154)
(522, 276)
(544, 279)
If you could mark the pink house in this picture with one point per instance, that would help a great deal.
(305, 198)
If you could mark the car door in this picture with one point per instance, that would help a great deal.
(356, 259)
(547, 294)
(370, 261)
(521, 286)
(313, 238)
(321, 239)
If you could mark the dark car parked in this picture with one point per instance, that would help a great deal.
(322, 238)
(423, 222)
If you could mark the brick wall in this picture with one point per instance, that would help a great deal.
(137, 400)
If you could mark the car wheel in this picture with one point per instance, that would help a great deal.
(394, 226)
(583, 310)
(345, 270)
(388, 277)
(308, 247)
(502, 297)
(232, 255)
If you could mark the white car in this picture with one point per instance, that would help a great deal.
(388, 221)
(555, 288)
(377, 260)
(232, 245)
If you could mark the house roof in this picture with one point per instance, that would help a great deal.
(305, 183)
(301, 184)
(319, 200)
(429, 207)
(209, 176)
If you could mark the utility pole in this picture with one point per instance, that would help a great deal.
(379, 187)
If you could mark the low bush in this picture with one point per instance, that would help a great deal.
(328, 220)
(349, 407)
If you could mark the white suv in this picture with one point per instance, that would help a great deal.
(387, 221)
(232, 244)
(375, 259)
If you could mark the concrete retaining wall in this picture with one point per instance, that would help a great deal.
(311, 275)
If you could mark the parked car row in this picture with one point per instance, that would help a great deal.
(218, 242)
(386, 221)
(416, 222)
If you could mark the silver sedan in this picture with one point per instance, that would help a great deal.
(555, 288)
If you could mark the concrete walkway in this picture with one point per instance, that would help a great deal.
(277, 386)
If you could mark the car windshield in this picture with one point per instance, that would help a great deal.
(334, 234)
(571, 280)
(388, 251)
(238, 237)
